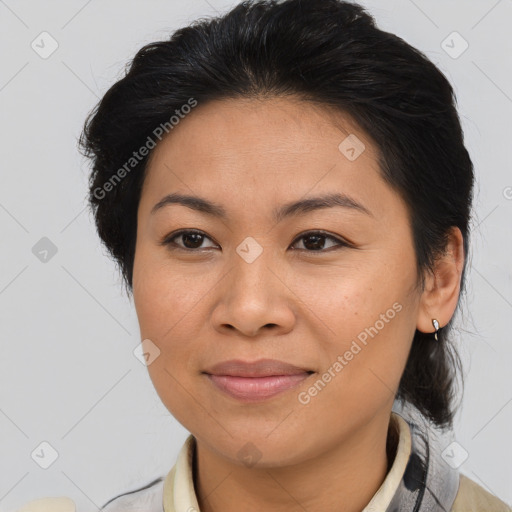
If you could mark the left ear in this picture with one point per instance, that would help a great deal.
(442, 287)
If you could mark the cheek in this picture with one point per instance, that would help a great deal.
(366, 319)
(163, 294)
(373, 357)
(359, 380)
(340, 300)
(166, 303)
(170, 312)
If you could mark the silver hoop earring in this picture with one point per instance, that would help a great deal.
(436, 327)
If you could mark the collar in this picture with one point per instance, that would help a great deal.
(418, 478)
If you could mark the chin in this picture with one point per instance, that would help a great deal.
(257, 450)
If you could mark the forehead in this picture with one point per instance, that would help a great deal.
(247, 151)
(238, 128)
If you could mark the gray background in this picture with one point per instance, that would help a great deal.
(68, 373)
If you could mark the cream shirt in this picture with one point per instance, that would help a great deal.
(179, 494)
(176, 492)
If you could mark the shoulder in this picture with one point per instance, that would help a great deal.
(148, 498)
(60, 504)
(472, 497)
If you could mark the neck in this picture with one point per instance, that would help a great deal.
(349, 473)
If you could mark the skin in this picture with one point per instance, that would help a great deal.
(302, 306)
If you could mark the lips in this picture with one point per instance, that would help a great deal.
(255, 381)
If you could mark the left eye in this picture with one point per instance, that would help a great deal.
(314, 241)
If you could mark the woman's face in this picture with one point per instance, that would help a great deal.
(254, 286)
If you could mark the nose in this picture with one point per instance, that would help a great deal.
(254, 298)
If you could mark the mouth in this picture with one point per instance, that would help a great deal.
(256, 381)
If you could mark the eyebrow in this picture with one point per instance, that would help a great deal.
(287, 210)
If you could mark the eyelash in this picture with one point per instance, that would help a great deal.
(168, 241)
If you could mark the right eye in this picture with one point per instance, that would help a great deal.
(190, 237)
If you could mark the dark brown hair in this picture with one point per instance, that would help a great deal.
(329, 52)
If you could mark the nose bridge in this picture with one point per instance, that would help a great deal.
(252, 262)
(250, 250)
(253, 296)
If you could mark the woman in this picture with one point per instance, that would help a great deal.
(287, 193)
